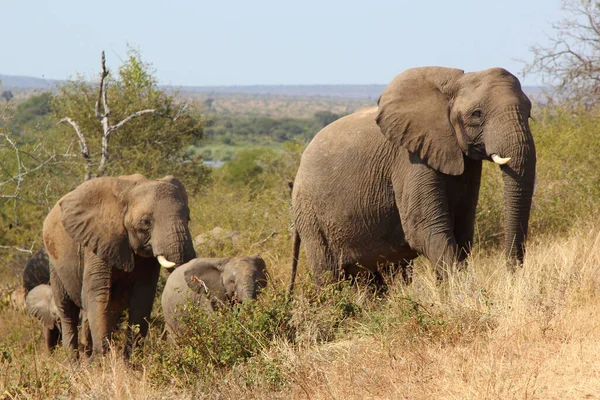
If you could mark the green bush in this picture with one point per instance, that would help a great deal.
(247, 166)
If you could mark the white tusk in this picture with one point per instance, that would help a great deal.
(164, 262)
(499, 160)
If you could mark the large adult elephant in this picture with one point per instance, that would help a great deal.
(388, 183)
(106, 241)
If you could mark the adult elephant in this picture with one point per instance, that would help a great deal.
(388, 183)
(106, 241)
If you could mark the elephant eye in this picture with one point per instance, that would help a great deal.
(146, 221)
(476, 113)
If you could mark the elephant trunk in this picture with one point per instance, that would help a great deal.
(519, 180)
(246, 290)
(174, 245)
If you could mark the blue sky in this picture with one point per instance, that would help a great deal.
(225, 42)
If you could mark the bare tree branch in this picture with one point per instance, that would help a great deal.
(30, 250)
(571, 63)
(134, 115)
(102, 91)
(85, 152)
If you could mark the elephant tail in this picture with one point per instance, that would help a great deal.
(294, 262)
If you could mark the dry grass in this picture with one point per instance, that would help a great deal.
(531, 335)
(484, 334)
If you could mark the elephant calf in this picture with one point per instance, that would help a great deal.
(211, 282)
(40, 304)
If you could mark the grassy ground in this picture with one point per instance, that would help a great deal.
(486, 333)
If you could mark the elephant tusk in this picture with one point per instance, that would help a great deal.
(499, 160)
(164, 262)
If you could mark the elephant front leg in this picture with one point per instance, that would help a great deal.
(68, 312)
(441, 249)
(426, 218)
(464, 211)
(141, 298)
(96, 295)
(86, 335)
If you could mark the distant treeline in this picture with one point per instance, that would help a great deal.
(230, 129)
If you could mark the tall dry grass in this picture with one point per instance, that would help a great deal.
(486, 333)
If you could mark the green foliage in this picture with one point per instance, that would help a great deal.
(326, 117)
(31, 115)
(215, 340)
(152, 145)
(229, 336)
(240, 132)
(247, 166)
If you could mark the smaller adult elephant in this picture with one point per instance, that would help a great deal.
(210, 283)
(40, 304)
(106, 241)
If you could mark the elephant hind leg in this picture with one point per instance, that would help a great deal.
(324, 265)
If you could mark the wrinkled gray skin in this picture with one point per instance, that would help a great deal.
(40, 303)
(388, 183)
(103, 240)
(210, 283)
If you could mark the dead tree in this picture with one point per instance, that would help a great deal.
(571, 63)
(107, 128)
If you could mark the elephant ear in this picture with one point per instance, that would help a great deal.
(93, 215)
(174, 181)
(414, 113)
(263, 273)
(40, 304)
(204, 278)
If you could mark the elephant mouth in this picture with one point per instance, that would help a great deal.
(477, 151)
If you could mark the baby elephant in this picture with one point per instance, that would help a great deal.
(211, 282)
(40, 304)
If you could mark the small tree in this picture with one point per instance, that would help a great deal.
(7, 95)
(154, 133)
(571, 63)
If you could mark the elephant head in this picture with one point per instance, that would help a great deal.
(236, 279)
(118, 218)
(443, 115)
(40, 304)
